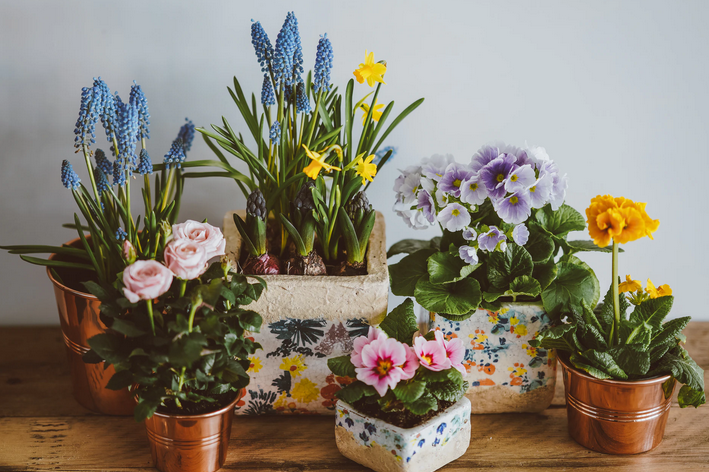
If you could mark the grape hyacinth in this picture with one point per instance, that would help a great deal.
(379, 155)
(275, 133)
(127, 134)
(101, 181)
(288, 55)
(262, 46)
(69, 177)
(176, 155)
(102, 162)
(323, 65)
(85, 130)
(121, 235)
(119, 175)
(302, 102)
(145, 165)
(109, 118)
(137, 98)
(186, 134)
(267, 95)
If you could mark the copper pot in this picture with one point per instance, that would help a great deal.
(79, 317)
(190, 443)
(615, 416)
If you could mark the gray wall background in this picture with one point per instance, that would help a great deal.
(616, 92)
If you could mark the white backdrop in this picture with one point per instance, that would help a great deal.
(616, 92)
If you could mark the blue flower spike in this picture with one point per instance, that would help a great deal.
(69, 178)
(323, 65)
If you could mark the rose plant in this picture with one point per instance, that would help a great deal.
(177, 325)
(505, 228)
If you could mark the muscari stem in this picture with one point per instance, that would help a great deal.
(616, 298)
(166, 188)
(149, 304)
(90, 168)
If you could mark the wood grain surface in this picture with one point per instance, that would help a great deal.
(43, 429)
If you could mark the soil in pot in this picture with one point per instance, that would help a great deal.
(192, 408)
(403, 418)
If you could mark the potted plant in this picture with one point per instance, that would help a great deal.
(108, 222)
(308, 227)
(404, 405)
(620, 368)
(179, 335)
(503, 269)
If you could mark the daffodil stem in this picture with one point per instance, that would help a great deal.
(616, 299)
(314, 119)
(370, 114)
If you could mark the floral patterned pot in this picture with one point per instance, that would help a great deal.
(384, 447)
(307, 320)
(505, 373)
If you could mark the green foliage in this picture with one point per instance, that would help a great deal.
(647, 345)
(400, 323)
(198, 349)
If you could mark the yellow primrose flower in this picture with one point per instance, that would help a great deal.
(294, 365)
(305, 391)
(364, 167)
(370, 71)
(256, 364)
(661, 291)
(376, 114)
(630, 285)
(318, 161)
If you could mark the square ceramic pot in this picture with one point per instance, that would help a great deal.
(384, 447)
(307, 320)
(505, 373)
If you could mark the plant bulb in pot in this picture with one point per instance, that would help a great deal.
(356, 224)
(301, 229)
(253, 232)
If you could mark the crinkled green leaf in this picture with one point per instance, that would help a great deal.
(670, 332)
(573, 285)
(690, 397)
(504, 267)
(342, 366)
(605, 362)
(401, 322)
(631, 360)
(652, 311)
(448, 391)
(354, 391)
(444, 267)
(409, 391)
(457, 298)
(423, 405)
(405, 274)
(583, 364)
(562, 221)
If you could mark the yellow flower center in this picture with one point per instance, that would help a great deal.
(500, 177)
(533, 189)
(514, 200)
(383, 366)
(456, 183)
(427, 359)
(514, 178)
(474, 187)
(455, 212)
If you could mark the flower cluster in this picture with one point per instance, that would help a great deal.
(515, 181)
(383, 362)
(618, 219)
(323, 64)
(186, 257)
(637, 295)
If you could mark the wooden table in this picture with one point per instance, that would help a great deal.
(43, 428)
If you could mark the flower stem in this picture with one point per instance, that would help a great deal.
(149, 304)
(91, 174)
(183, 287)
(166, 188)
(616, 299)
(193, 310)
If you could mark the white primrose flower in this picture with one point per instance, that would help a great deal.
(454, 217)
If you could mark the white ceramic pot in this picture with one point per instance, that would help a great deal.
(505, 373)
(307, 320)
(384, 447)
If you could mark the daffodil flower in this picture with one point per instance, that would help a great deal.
(318, 161)
(370, 71)
(364, 167)
(376, 114)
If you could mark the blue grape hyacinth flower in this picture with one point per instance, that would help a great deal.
(262, 46)
(275, 132)
(186, 134)
(121, 235)
(145, 165)
(267, 95)
(69, 178)
(288, 54)
(137, 98)
(109, 118)
(302, 101)
(323, 65)
(119, 174)
(176, 155)
(102, 184)
(128, 134)
(89, 111)
(102, 162)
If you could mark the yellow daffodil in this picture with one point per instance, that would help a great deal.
(630, 285)
(370, 71)
(661, 291)
(318, 161)
(376, 114)
(364, 167)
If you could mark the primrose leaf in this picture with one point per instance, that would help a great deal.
(354, 391)
(560, 222)
(669, 333)
(409, 391)
(554, 338)
(682, 367)
(423, 405)
(342, 366)
(544, 273)
(539, 245)
(605, 362)
(458, 298)
(504, 267)
(405, 274)
(444, 267)
(690, 397)
(583, 364)
(573, 285)
(652, 311)
(524, 286)
(409, 246)
(401, 323)
(631, 360)
(448, 391)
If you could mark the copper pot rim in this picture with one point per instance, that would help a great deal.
(60, 285)
(651, 381)
(211, 414)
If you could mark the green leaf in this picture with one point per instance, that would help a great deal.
(670, 331)
(409, 391)
(409, 246)
(588, 246)
(431, 376)
(120, 380)
(145, 409)
(492, 296)
(504, 267)
(250, 321)
(401, 323)
(605, 311)
(560, 222)
(444, 267)
(583, 364)
(423, 405)
(127, 328)
(524, 285)
(690, 397)
(458, 298)
(555, 338)
(631, 360)
(540, 246)
(354, 391)
(448, 391)
(342, 366)
(573, 285)
(605, 362)
(652, 311)
(545, 273)
(682, 367)
(108, 347)
(405, 274)
(187, 349)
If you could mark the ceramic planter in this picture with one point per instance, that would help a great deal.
(190, 443)
(505, 373)
(616, 417)
(306, 321)
(384, 447)
(79, 318)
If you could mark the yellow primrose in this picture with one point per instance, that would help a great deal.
(661, 291)
(630, 285)
(370, 71)
(376, 114)
(364, 167)
(318, 161)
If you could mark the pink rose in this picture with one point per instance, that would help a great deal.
(372, 335)
(455, 350)
(186, 259)
(146, 280)
(206, 235)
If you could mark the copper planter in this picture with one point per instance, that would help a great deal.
(616, 417)
(79, 317)
(190, 443)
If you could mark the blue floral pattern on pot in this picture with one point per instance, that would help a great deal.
(290, 375)
(497, 347)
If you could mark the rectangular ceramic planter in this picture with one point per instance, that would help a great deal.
(306, 321)
(505, 373)
(384, 447)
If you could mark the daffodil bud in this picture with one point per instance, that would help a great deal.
(129, 252)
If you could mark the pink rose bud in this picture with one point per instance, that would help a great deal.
(187, 259)
(203, 233)
(129, 253)
(146, 280)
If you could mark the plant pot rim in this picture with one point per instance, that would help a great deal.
(590, 378)
(408, 431)
(60, 285)
(210, 414)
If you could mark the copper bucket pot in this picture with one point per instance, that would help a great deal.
(190, 443)
(79, 317)
(613, 416)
